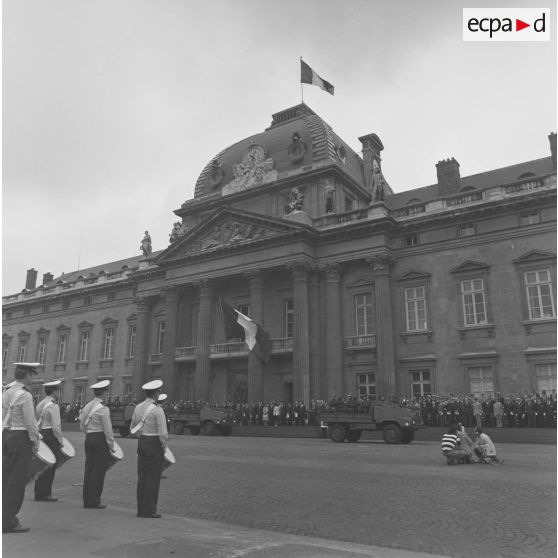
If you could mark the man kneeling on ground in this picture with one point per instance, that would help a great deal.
(451, 447)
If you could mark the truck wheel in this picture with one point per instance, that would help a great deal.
(225, 430)
(178, 428)
(354, 435)
(208, 429)
(337, 433)
(194, 430)
(391, 434)
(124, 431)
(407, 436)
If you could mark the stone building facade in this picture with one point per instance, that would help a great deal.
(448, 288)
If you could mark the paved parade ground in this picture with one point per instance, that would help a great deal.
(270, 497)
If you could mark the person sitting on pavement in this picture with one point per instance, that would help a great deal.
(486, 450)
(466, 443)
(451, 447)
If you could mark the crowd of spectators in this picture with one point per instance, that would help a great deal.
(527, 410)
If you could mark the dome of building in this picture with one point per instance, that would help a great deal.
(297, 141)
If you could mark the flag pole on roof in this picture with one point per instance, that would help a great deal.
(308, 75)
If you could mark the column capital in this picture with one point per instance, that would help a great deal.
(256, 277)
(332, 272)
(381, 263)
(142, 303)
(300, 269)
(204, 287)
(170, 293)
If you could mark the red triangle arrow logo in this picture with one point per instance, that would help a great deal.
(519, 25)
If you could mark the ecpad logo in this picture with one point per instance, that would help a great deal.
(506, 24)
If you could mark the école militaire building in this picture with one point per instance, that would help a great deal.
(448, 288)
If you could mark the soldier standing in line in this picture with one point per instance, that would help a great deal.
(19, 438)
(49, 423)
(94, 420)
(150, 423)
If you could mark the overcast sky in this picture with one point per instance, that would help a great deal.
(112, 108)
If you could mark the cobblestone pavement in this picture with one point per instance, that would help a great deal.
(370, 493)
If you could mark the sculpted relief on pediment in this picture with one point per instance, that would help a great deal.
(229, 233)
(254, 170)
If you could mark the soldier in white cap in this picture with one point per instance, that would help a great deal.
(150, 424)
(94, 420)
(19, 438)
(50, 426)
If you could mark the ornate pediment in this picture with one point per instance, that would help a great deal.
(229, 233)
(227, 229)
(534, 256)
(414, 275)
(470, 266)
(254, 170)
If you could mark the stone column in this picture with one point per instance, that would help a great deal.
(139, 376)
(255, 364)
(334, 339)
(301, 348)
(385, 349)
(184, 319)
(203, 364)
(168, 372)
(314, 333)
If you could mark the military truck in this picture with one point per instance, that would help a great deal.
(121, 417)
(206, 421)
(398, 424)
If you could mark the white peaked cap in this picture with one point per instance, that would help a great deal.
(154, 384)
(100, 385)
(162, 397)
(54, 383)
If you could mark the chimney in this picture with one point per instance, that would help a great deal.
(31, 280)
(448, 176)
(552, 140)
(371, 148)
(47, 278)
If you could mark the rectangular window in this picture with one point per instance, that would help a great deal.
(530, 217)
(87, 301)
(45, 308)
(546, 377)
(108, 339)
(539, 294)
(288, 313)
(244, 309)
(411, 239)
(472, 297)
(78, 395)
(62, 344)
(415, 308)
(364, 317)
(420, 382)
(5, 350)
(348, 203)
(111, 297)
(65, 305)
(467, 229)
(83, 346)
(366, 386)
(161, 327)
(127, 390)
(132, 341)
(22, 350)
(41, 352)
(480, 380)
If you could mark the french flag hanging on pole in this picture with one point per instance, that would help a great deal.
(308, 75)
(237, 325)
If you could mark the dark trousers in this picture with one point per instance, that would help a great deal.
(43, 485)
(17, 452)
(150, 467)
(97, 461)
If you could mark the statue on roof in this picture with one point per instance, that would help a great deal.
(178, 230)
(295, 201)
(378, 183)
(145, 246)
